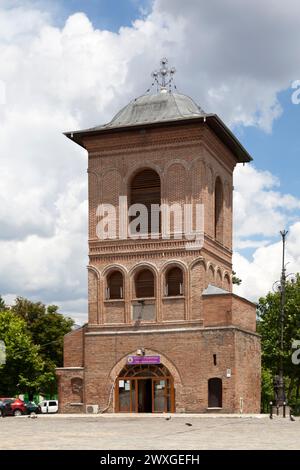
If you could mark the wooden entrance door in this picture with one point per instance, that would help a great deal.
(144, 389)
(162, 395)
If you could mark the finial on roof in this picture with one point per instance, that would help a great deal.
(164, 76)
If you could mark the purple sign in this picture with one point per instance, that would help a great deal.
(133, 360)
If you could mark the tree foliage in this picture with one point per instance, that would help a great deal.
(46, 326)
(235, 279)
(2, 304)
(33, 336)
(24, 369)
(269, 327)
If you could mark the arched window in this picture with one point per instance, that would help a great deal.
(145, 189)
(227, 282)
(115, 285)
(211, 275)
(215, 393)
(174, 282)
(219, 279)
(77, 387)
(219, 210)
(144, 284)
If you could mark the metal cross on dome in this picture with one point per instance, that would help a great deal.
(164, 76)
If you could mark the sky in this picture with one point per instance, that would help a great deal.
(71, 64)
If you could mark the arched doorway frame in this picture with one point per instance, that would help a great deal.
(176, 378)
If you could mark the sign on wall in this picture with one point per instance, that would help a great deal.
(133, 360)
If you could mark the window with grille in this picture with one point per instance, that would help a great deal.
(115, 286)
(145, 189)
(174, 282)
(144, 284)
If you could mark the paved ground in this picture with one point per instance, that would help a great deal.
(149, 432)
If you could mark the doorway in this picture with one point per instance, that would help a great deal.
(215, 393)
(145, 396)
(145, 389)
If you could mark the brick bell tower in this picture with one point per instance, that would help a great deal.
(165, 333)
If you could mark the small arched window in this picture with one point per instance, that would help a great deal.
(219, 279)
(215, 393)
(144, 284)
(115, 285)
(219, 217)
(174, 282)
(227, 282)
(211, 275)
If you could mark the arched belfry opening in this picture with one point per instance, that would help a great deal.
(144, 284)
(145, 189)
(174, 282)
(219, 212)
(115, 288)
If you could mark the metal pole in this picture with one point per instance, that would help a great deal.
(281, 390)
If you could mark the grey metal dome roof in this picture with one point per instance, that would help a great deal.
(160, 107)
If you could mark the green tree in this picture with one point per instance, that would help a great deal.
(47, 328)
(267, 391)
(236, 280)
(2, 304)
(269, 327)
(24, 369)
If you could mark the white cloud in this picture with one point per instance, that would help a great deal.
(264, 269)
(259, 206)
(261, 211)
(65, 78)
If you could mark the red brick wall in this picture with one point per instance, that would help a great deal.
(248, 370)
(71, 399)
(114, 312)
(229, 309)
(173, 309)
(243, 313)
(73, 348)
(217, 310)
(188, 354)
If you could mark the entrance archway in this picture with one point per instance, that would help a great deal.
(145, 389)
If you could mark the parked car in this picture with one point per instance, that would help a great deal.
(5, 409)
(49, 406)
(14, 406)
(32, 407)
(17, 407)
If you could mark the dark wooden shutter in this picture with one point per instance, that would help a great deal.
(145, 189)
(174, 281)
(115, 285)
(215, 393)
(144, 284)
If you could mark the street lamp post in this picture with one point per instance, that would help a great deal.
(280, 398)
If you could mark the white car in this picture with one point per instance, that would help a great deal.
(49, 406)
